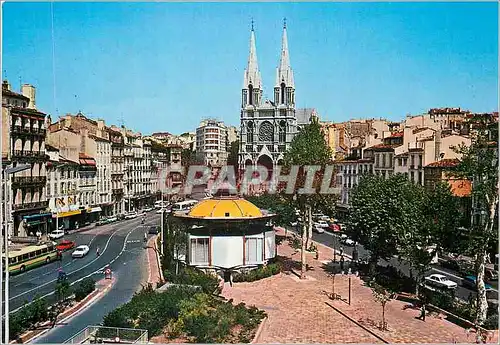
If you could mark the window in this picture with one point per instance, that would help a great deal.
(199, 251)
(25, 257)
(12, 260)
(383, 160)
(253, 250)
(38, 252)
(44, 250)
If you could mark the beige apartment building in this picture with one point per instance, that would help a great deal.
(23, 143)
(137, 171)
(63, 190)
(117, 170)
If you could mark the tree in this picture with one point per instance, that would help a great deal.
(373, 218)
(275, 203)
(62, 292)
(382, 296)
(308, 148)
(232, 158)
(478, 163)
(174, 243)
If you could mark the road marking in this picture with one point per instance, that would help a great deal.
(79, 269)
(87, 276)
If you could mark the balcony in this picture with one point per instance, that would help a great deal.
(28, 155)
(117, 190)
(29, 180)
(31, 205)
(28, 130)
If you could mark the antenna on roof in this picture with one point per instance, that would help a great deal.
(20, 84)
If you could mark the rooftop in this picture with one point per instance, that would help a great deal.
(444, 163)
(225, 208)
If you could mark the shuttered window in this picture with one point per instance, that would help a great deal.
(254, 250)
(199, 251)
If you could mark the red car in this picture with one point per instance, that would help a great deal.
(65, 245)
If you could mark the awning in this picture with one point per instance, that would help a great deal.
(66, 214)
(94, 209)
(36, 222)
(33, 217)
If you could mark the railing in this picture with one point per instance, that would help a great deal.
(28, 154)
(29, 180)
(117, 190)
(28, 130)
(31, 205)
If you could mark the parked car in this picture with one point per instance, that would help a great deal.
(65, 245)
(147, 209)
(56, 234)
(153, 230)
(318, 229)
(80, 251)
(321, 224)
(470, 282)
(440, 281)
(102, 221)
(334, 227)
(131, 215)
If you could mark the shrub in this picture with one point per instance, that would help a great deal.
(491, 322)
(190, 276)
(84, 288)
(258, 273)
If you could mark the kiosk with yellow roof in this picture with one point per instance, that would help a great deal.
(228, 234)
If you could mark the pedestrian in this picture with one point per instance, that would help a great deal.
(422, 312)
(145, 237)
(341, 251)
(342, 262)
(97, 251)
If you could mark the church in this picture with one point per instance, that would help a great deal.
(268, 126)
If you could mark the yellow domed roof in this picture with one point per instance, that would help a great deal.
(225, 208)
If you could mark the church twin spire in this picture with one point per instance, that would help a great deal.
(252, 81)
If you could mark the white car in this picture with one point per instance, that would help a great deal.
(321, 224)
(131, 215)
(54, 235)
(80, 251)
(318, 229)
(441, 281)
(346, 240)
(147, 209)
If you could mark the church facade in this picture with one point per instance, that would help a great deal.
(267, 126)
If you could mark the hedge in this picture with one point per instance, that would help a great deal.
(191, 276)
(258, 273)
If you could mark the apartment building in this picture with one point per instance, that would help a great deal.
(117, 170)
(211, 142)
(24, 144)
(137, 171)
(63, 190)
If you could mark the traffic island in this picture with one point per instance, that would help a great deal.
(102, 287)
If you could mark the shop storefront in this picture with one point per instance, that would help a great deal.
(69, 220)
(36, 223)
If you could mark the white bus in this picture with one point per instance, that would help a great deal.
(184, 205)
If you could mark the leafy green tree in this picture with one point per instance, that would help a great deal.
(308, 148)
(373, 218)
(479, 163)
(275, 203)
(174, 243)
(62, 292)
(232, 158)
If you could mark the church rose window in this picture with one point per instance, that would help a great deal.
(266, 132)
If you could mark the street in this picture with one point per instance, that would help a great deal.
(332, 240)
(121, 246)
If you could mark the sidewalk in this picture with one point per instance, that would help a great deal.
(298, 313)
(154, 268)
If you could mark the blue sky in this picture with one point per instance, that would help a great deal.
(164, 66)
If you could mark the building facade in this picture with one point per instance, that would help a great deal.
(117, 170)
(267, 126)
(211, 142)
(26, 190)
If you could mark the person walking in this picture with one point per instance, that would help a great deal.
(97, 251)
(422, 312)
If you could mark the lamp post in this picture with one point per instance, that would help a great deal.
(7, 204)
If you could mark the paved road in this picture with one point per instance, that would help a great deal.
(130, 270)
(121, 246)
(332, 241)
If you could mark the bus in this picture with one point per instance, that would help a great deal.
(29, 257)
(184, 205)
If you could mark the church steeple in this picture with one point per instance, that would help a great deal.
(284, 89)
(252, 82)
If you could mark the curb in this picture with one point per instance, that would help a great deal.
(259, 331)
(158, 260)
(73, 311)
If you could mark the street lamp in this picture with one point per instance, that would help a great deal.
(6, 182)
